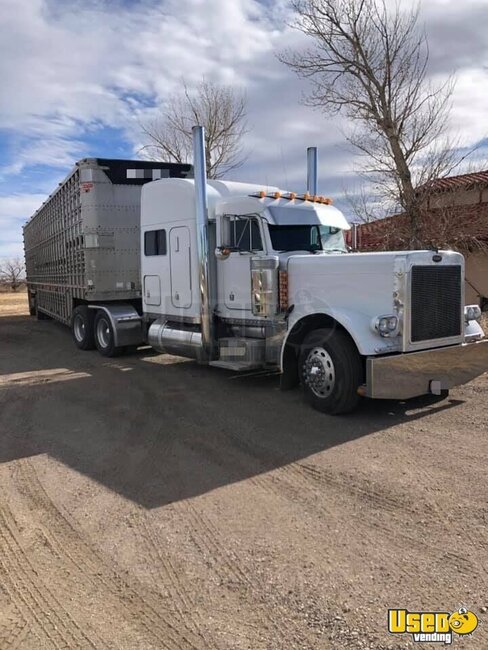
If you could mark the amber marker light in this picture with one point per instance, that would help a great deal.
(283, 290)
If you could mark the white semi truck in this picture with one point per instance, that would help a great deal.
(248, 279)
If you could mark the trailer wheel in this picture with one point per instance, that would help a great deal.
(330, 371)
(82, 327)
(104, 336)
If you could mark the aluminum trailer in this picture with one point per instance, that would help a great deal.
(83, 245)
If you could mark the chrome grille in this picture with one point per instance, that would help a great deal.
(435, 302)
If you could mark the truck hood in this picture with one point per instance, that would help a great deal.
(355, 288)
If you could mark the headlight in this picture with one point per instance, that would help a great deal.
(472, 312)
(386, 325)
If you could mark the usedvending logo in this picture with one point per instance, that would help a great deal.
(432, 627)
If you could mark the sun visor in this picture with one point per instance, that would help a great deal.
(308, 213)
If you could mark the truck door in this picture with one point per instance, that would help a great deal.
(180, 267)
(242, 235)
(154, 268)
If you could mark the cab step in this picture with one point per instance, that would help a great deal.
(236, 366)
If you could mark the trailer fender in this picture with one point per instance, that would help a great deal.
(125, 321)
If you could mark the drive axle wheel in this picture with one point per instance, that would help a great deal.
(82, 328)
(330, 371)
(104, 336)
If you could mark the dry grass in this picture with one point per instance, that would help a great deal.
(484, 322)
(14, 304)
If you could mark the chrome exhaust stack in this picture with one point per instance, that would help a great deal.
(312, 173)
(201, 209)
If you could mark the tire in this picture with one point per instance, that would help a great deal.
(331, 371)
(82, 327)
(104, 336)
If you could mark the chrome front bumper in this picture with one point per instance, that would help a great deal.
(418, 373)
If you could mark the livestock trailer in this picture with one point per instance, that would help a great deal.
(82, 245)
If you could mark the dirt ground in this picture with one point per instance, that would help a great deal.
(147, 502)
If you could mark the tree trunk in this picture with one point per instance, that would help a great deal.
(408, 195)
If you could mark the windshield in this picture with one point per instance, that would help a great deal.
(307, 238)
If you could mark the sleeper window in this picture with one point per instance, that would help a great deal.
(155, 242)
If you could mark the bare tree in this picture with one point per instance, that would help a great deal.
(12, 271)
(369, 62)
(220, 109)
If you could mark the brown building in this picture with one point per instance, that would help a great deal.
(455, 215)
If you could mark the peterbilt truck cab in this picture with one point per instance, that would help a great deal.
(247, 278)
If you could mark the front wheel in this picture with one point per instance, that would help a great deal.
(104, 336)
(331, 371)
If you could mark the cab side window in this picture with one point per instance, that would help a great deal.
(242, 234)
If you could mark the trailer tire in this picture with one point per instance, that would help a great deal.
(82, 327)
(104, 336)
(331, 371)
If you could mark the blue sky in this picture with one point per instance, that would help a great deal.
(78, 77)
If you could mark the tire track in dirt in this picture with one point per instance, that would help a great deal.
(231, 572)
(148, 604)
(309, 477)
(199, 637)
(300, 482)
(140, 606)
(227, 566)
(379, 502)
(175, 586)
(204, 537)
(14, 627)
(457, 560)
(178, 591)
(25, 587)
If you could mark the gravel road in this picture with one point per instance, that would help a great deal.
(147, 502)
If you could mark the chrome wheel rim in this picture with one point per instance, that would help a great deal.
(79, 328)
(319, 372)
(103, 333)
